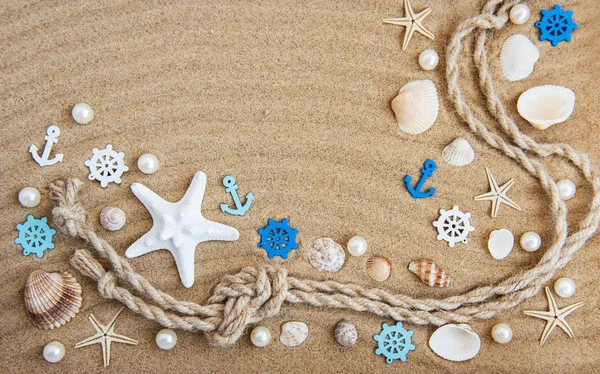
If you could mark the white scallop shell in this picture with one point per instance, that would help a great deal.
(326, 255)
(112, 218)
(518, 57)
(458, 153)
(379, 268)
(501, 243)
(293, 333)
(544, 106)
(416, 106)
(455, 342)
(346, 334)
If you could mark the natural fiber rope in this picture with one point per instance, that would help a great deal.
(258, 292)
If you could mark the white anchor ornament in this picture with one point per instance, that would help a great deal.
(51, 138)
(178, 227)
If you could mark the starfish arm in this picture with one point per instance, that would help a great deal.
(548, 316)
(550, 325)
(569, 309)
(423, 31)
(495, 207)
(506, 186)
(408, 9)
(195, 192)
(106, 352)
(118, 338)
(410, 29)
(111, 324)
(100, 328)
(486, 196)
(551, 302)
(562, 323)
(149, 242)
(153, 203)
(91, 340)
(398, 21)
(184, 260)
(506, 200)
(491, 180)
(206, 230)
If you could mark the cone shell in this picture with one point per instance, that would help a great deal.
(458, 153)
(379, 268)
(112, 219)
(416, 106)
(293, 333)
(431, 274)
(326, 255)
(544, 106)
(518, 57)
(346, 334)
(51, 299)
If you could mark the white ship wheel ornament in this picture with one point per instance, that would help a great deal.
(453, 226)
(106, 165)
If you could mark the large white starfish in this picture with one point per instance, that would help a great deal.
(497, 194)
(178, 227)
(413, 22)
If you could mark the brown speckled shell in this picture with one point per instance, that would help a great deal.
(326, 255)
(346, 334)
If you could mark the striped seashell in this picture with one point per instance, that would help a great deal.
(416, 107)
(112, 219)
(346, 334)
(379, 268)
(51, 299)
(431, 274)
(326, 255)
(458, 153)
(293, 333)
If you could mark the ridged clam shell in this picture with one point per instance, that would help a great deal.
(430, 274)
(501, 243)
(293, 333)
(455, 342)
(112, 219)
(326, 255)
(51, 299)
(544, 106)
(416, 106)
(379, 268)
(346, 334)
(518, 57)
(458, 153)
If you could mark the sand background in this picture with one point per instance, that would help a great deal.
(293, 99)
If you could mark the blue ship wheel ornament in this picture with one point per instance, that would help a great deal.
(394, 342)
(277, 238)
(556, 25)
(35, 236)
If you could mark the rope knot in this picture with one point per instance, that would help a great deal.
(68, 214)
(249, 296)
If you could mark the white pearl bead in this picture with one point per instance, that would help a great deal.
(54, 352)
(82, 113)
(148, 163)
(357, 246)
(502, 333)
(566, 189)
(428, 59)
(166, 339)
(531, 241)
(519, 14)
(260, 336)
(565, 287)
(29, 197)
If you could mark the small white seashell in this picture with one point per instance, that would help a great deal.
(458, 153)
(112, 219)
(518, 57)
(293, 333)
(544, 106)
(346, 334)
(326, 255)
(501, 243)
(455, 342)
(379, 268)
(416, 106)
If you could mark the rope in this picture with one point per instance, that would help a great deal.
(256, 293)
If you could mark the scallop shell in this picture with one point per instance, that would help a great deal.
(544, 106)
(346, 334)
(293, 333)
(326, 255)
(431, 274)
(51, 299)
(501, 243)
(518, 57)
(112, 218)
(455, 342)
(416, 106)
(458, 153)
(379, 268)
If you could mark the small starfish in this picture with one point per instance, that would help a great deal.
(497, 195)
(555, 317)
(413, 22)
(105, 336)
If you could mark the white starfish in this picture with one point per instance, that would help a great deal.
(497, 195)
(554, 317)
(413, 22)
(178, 227)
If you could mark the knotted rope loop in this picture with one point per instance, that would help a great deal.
(68, 214)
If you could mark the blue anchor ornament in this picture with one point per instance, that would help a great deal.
(427, 171)
(231, 188)
(51, 138)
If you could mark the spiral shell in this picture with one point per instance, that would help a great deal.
(293, 333)
(112, 219)
(431, 274)
(326, 255)
(379, 268)
(346, 334)
(51, 299)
